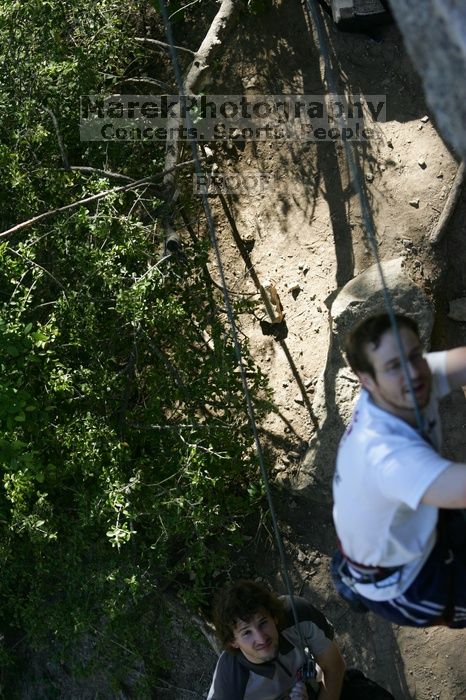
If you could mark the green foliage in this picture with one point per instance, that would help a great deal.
(125, 454)
(124, 444)
(53, 54)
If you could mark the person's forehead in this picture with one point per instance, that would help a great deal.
(388, 347)
(255, 617)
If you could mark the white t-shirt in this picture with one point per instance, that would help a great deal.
(384, 467)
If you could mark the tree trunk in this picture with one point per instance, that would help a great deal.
(196, 77)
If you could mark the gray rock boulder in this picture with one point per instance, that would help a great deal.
(363, 296)
(458, 310)
(434, 33)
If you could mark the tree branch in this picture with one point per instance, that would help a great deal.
(148, 81)
(94, 198)
(130, 371)
(36, 264)
(98, 171)
(212, 43)
(61, 146)
(185, 7)
(196, 76)
(163, 44)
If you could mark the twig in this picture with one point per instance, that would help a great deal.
(177, 426)
(181, 9)
(93, 198)
(139, 200)
(148, 81)
(153, 267)
(61, 146)
(130, 371)
(230, 291)
(207, 450)
(129, 651)
(163, 44)
(99, 171)
(36, 264)
(440, 228)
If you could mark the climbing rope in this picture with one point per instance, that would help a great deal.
(357, 180)
(356, 176)
(309, 670)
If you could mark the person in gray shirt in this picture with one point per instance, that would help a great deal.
(263, 658)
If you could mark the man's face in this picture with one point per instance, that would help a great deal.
(257, 638)
(389, 388)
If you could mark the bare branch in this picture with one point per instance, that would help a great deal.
(193, 82)
(98, 171)
(211, 45)
(149, 81)
(208, 450)
(185, 7)
(61, 146)
(36, 264)
(155, 42)
(94, 198)
(153, 267)
(130, 371)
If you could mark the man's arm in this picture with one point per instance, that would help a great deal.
(333, 666)
(449, 489)
(456, 367)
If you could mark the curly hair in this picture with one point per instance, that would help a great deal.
(240, 601)
(369, 331)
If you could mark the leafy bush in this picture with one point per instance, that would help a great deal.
(125, 450)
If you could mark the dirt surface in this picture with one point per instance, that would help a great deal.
(303, 234)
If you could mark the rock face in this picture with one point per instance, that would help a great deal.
(363, 296)
(458, 310)
(434, 33)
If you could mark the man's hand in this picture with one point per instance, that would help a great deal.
(299, 692)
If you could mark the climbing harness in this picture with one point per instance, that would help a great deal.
(366, 574)
(351, 572)
(309, 666)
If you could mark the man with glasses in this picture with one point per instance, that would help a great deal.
(397, 502)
